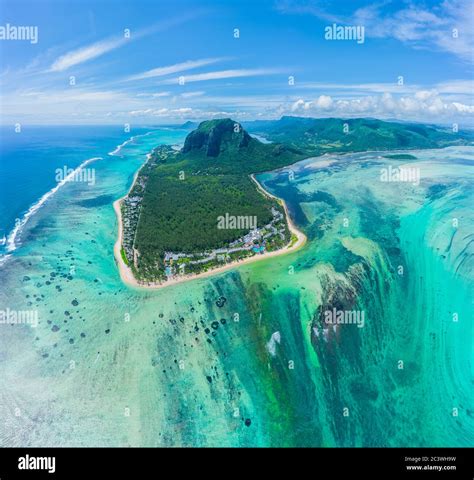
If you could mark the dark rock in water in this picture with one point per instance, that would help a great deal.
(45, 355)
(220, 302)
(207, 331)
(160, 315)
(83, 335)
(209, 379)
(48, 282)
(75, 303)
(71, 341)
(248, 422)
(67, 313)
(26, 278)
(107, 331)
(55, 328)
(223, 321)
(215, 325)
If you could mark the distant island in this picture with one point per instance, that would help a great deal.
(200, 209)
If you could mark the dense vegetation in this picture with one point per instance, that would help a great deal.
(187, 210)
(320, 135)
(187, 191)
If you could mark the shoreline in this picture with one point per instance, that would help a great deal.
(128, 278)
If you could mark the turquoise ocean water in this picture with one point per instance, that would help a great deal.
(109, 365)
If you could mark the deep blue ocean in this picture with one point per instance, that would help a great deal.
(29, 159)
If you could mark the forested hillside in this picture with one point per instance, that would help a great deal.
(320, 135)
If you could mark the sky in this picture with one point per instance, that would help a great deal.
(148, 62)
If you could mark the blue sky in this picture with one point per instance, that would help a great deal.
(86, 68)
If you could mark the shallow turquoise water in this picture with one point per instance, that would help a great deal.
(136, 367)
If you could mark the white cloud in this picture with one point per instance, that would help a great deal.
(192, 94)
(453, 87)
(182, 112)
(97, 49)
(170, 69)
(462, 87)
(84, 54)
(445, 25)
(154, 95)
(324, 102)
(220, 75)
(422, 105)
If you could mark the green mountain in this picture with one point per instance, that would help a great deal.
(223, 146)
(216, 137)
(321, 135)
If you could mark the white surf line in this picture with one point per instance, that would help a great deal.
(130, 140)
(12, 237)
(11, 243)
(4, 258)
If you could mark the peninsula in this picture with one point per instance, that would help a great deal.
(199, 210)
